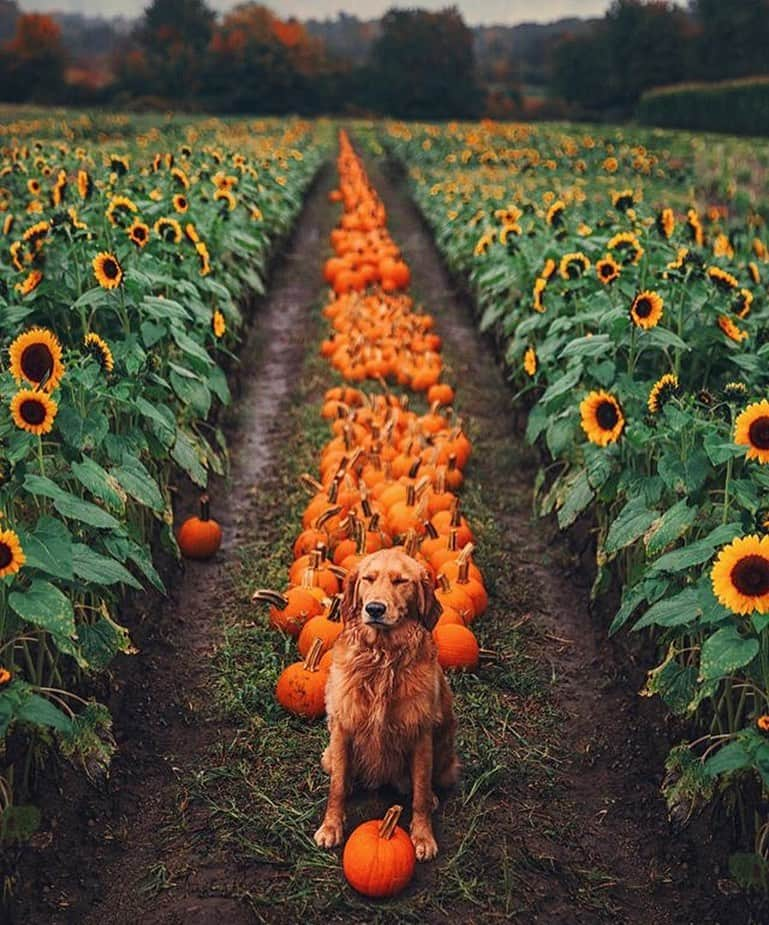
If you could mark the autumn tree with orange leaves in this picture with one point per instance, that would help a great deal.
(32, 62)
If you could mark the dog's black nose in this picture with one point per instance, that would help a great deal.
(376, 609)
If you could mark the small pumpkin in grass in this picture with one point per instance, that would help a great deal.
(457, 646)
(200, 537)
(301, 687)
(290, 611)
(379, 858)
(441, 392)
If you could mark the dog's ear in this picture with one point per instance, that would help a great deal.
(429, 606)
(350, 608)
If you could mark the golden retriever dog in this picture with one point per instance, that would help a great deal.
(389, 707)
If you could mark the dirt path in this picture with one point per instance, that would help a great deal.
(216, 792)
(108, 860)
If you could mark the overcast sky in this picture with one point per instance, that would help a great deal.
(475, 11)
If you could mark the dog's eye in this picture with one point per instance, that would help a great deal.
(367, 578)
(399, 581)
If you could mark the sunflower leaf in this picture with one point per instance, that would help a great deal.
(726, 651)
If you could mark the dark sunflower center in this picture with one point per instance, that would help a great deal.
(750, 576)
(32, 411)
(606, 415)
(607, 270)
(643, 308)
(110, 269)
(758, 433)
(6, 556)
(140, 234)
(37, 362)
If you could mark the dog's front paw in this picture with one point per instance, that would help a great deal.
(425, 845)
(330, 834)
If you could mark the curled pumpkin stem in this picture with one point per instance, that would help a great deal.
(267, 596)
(312, 662)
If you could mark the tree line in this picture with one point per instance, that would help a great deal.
(412, 63)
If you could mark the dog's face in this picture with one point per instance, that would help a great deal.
(388, 588)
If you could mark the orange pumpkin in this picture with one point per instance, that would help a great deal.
(326, 626)
(200, 537)
(301, 687)
(290, 611)
(457, 646)
(379, 858)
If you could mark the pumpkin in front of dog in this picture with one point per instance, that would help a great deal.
(200, 537)
(457, 646)
(301, 688)
(379, 858)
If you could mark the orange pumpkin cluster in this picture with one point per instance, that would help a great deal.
(375, 332)
(388, 475)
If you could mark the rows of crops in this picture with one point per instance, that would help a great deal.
(127, 252)
(631, 311)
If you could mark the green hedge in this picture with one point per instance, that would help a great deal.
(739, 107)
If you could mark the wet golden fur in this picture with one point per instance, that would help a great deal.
(389, 707)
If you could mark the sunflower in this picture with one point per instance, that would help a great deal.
(8, 223)
(763, 723)
(607, 269)
(540, 284)
(33, 187)
(549, 268)
(169, 230)
(611, 165)
(722, 279)
(740, 575)
(180, 202)
(11, 555)
(602, 418)
(107, 270)
(18, 257)
(98, 348)
(74, 219)
(35, 357)
(742, 303)
(118, 163)
(60, 188)
(627, 245)
(665, 388)
(735, 391)
(33, 411)
(755, 274)
(84, 184)
(572, 266)
(205, 258)
(226, 196)
(139, 234)
(622, 200)
(218, 324)
(191, 232)
(554, 215)
(5, 676)
(257, 216)
(731, 330)
(180, 177)
(36, 234)
(120, 210)
(530, 361)
(694, 226)
(484, 242)
(751, 429)
(30, 282)
(666, 223)
(646, 309)
(722, 247)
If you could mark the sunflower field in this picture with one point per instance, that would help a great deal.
(128, 250)
(623, 275)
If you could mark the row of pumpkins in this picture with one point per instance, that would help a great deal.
(387, 475)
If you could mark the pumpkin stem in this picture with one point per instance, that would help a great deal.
(390, 821)
(205, 508)
(430, 530)
(311, 485)
(415, 468)
(266, 596)
(440, 486)
(327, 515)
(411, 543)
(453, 539)
(443, 581)
(312, 662)
(452, 462)
(333, 610)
